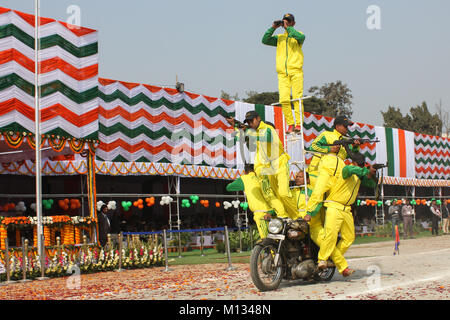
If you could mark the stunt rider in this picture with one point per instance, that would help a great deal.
(320, 145)
(257, 204)
(271, 164)
(289, 66)
(317, 221)
(341, 183)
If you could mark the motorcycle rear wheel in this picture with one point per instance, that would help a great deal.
(265, 275)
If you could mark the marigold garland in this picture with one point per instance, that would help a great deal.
(57, 143)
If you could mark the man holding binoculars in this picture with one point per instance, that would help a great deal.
(289, 66)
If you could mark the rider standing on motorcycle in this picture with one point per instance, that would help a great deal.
(317, 221)
(342, 187)
(271, 164)
(257, 204)
(321, 143)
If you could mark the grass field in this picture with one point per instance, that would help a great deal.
(210, 256)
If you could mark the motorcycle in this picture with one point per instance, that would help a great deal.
(286, 253)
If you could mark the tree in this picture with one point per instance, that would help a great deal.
(265, 98)
(393, 118)
(424, 122)
(227, 96)
(419, 120)
(444, 115)
(315, 105)
(337, 98)
(329, 100)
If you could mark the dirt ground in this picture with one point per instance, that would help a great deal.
(421, 271)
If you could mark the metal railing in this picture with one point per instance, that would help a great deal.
(131, 239)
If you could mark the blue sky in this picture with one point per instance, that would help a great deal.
(216, 45)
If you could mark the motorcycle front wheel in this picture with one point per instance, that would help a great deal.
(265, 274)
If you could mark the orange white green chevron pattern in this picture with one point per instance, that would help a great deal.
(145, 129)
(315, 124)
(432, 156)
(68, 63)
(144, 123)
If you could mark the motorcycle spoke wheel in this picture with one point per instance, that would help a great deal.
(265, 274)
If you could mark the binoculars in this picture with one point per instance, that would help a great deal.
(279, 23)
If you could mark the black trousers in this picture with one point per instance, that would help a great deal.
(435, 225)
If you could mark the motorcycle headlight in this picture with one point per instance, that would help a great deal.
(275, 226)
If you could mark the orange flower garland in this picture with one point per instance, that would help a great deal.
(3, 237)
(77, 235)
(47, 236)
(52, 236)
(35, 237)
(68, 237)
(18, 221)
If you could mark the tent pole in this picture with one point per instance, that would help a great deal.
(37, 128)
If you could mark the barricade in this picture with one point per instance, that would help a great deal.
(42, 261)
(7, 266)
(165, 246)
(134, 241)
(24, 261)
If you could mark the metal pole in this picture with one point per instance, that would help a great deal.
(58, 246)
(7, 265)
(179, 245)
(120, 252)
(24, 261)
(414, 208)
(227, 244)
(37, 121)
(42, 258)
(109, 242)
(201, 243)
(292, 100)
(166, 256)
(240, 235)
(82, 195)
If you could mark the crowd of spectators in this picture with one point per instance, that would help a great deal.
(405, 213)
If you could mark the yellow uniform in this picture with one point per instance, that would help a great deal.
(289, 66)
(319, 147)
(316, 229)
(341, 183)
(249, 183)
(272, 168)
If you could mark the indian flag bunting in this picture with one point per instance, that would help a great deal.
(142, 123)
(396, 147)
(144, 129)
(268, 114)
(432, 155)
(315, 124)
(68, 77)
